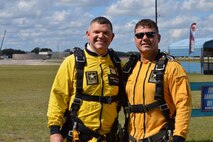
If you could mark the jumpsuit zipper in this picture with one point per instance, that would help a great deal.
(102, 90)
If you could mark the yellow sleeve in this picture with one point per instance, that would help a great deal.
(60, 92)
(181, 95)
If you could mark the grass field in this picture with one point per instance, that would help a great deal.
(24, 94)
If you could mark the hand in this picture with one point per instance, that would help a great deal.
(56, 138)
(178, 139)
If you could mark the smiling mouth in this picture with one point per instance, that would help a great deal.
(145, 44)
(100, 42)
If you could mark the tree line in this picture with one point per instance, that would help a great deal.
(9, 52)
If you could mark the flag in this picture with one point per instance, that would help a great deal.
(192, 38)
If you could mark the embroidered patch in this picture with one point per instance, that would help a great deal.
(152, 77)
(112, 70)
(113, 76)
(113, 79)
(92, 77)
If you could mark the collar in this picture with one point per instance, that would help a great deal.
(90, 51)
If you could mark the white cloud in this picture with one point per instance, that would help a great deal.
(48, 23)
(60, 16)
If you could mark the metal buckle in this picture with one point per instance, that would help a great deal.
(128, 71)
(160, 68)
(77, 101)
(107, 100)
(70, 133)
(127, 110)
(164, 107)
(116, 61)
(80, 60)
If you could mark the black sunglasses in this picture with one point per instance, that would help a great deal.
(148, 34)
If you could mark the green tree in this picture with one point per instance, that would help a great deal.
(35, 50)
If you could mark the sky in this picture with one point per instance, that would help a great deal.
(62, 24)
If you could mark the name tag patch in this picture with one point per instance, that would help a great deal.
(113, 77)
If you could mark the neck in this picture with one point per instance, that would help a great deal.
(148, 57)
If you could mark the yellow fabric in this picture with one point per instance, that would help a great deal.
(141, 90)
(98, 117)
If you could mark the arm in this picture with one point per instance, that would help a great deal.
(59, 99)
(180, 91)
(56, 138)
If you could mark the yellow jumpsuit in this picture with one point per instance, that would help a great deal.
(100, 79)
(140, 89)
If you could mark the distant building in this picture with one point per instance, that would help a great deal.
(28, 56)
(48, 54)
(181, 48)
(41, 55)
(203, 50)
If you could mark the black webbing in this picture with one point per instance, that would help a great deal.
(127, 69)
(80, 62)
(159, 92)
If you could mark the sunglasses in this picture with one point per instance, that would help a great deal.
(148, 34)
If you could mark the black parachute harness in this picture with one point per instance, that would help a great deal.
(159, 69)
(77, 131)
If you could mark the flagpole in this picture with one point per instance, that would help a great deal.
(156, 12)
(189, 63)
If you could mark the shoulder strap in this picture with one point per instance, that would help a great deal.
(159, 71)
(80, 62)
(127, 70)
(117, 63)
(129, 66)
(159, 92)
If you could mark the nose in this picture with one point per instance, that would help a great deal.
(144, 36)
(101, 35)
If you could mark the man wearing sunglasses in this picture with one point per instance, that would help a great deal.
(158, 91)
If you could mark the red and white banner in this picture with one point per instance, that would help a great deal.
(192, 38)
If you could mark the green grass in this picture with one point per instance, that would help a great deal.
(23, 102)
(24, 94)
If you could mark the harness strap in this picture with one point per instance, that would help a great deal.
(101, 99)
(159, 71)
(145, 108)
(80, 62)
(117, 63)
(84, 131)
(159, 92)
(127, 70)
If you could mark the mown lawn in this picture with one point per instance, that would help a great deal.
(24, 94)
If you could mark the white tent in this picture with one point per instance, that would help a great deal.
(181, 48)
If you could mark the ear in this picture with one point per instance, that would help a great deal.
(87, 34)
(113, 35)
(159, 37)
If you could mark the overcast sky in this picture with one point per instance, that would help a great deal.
(61, 24)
